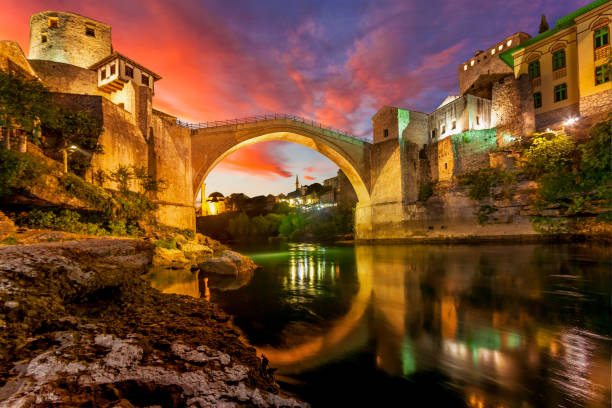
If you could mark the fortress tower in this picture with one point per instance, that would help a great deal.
(68, 38)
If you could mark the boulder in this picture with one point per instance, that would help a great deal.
(169, 257)
(193, 251)
(228, 263)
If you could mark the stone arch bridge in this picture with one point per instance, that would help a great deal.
(374, 170)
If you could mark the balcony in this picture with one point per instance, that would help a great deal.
(536, 82)
(559, 73)
(602, 53)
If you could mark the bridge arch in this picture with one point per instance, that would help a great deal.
(210, 145)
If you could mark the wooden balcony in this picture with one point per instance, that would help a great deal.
(602, 54)
(112, 86)
(559, 73)
(536, 82)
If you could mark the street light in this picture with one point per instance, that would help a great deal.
(65, 150)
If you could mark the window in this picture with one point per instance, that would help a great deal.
(53, 22)
(90, 30)
(445, 166)
(558, 60)
(129, 71)
(477, 120)
(560, 92)
(433, 134)
(43, 38)
(112, 69)
(454, 124)
(537, 100)
(443, 129)
(602, 36)
(103, 73)
(144, 80)
(534, 69)
(386, 133)
(602, 74)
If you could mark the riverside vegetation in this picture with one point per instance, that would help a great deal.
(574, 180)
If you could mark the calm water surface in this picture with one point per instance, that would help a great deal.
(475, 326)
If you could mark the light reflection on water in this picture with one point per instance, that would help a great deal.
(458, 325)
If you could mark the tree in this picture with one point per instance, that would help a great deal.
(122, 176)
(24, 103)
(543, 24)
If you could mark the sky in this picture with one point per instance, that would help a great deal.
(336, 62)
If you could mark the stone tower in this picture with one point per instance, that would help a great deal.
(68, 38)
(297, 183)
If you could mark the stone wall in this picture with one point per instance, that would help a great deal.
(555, 118)
(68, 42)
(512, 110)
(170, 159)
(596, 103)
(385, 119)
(471, 150)
(12, 59)
(66, 78)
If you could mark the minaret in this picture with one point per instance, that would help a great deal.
(297, 183)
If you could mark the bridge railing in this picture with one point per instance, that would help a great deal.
(260, 118)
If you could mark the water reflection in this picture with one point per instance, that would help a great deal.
(497, 325)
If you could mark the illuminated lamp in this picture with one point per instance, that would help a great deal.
(472, 62)
(493, 51)
(465, 67)
(509, 43)
(570, 121)
(501, 46)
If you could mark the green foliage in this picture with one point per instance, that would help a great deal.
(96, 196)
(244, 229)
(549, 152)
(578, 178)
(292, 226)
(132, 206)
(147, 181)
(18, 171)
(122, 176)
(426, 191)
(480, 181)
(23, 102)
(484, 212)
(170, 244)
(549, 225)
(10, 240)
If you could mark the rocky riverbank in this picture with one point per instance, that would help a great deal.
(80, 327)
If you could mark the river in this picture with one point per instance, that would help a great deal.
(431, 325)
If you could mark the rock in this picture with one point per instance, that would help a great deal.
(195, 252)
(228, 263)
(7, 227)
(169, 257)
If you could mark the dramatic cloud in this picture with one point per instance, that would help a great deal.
(334, 62)
(309, 178)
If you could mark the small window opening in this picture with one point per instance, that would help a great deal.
(90, 31)
(129, 71)
(112, 70)
(386, 133)
(433, 134)
(477, 120)
(144, 80)
(443, 129)
(445, 166)
(53, 22)
(43, 38)
(454, 124)
(103, 73)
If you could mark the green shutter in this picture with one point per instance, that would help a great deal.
(602, 36)
(558, 60)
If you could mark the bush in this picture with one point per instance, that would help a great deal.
(18, 170)
(549, 152)
(480, 181)
(96, 196)
(426, 191)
